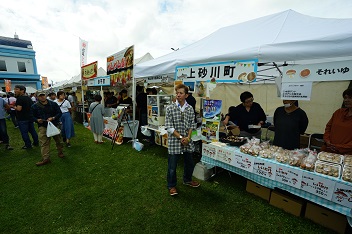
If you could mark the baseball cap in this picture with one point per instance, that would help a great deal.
(41, 93)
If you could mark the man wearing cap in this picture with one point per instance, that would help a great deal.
(24, 117)
(45, 111)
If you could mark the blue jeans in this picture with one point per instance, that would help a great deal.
(25, 128)
(3, 131)
(187, 170)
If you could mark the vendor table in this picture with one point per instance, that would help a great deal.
(318, 188)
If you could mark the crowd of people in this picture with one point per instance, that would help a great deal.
(25, 110)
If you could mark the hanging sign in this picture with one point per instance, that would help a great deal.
(120, 66)
(296, 91)
(231, 71)
(100, 81)
(89, 71)
(331, 71)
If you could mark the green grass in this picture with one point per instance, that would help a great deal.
(98, 190)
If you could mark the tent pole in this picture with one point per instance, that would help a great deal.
(83, 111)
(133, 107)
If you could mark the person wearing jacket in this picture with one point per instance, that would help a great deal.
(45, 111)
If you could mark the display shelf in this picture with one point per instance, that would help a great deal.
(157, 109)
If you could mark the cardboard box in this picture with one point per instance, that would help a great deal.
(258, 190)
(289, 203)
(326, 217)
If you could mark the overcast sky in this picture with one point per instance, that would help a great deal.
(154, 26)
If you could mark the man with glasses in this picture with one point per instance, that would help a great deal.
(179, 122)
(248, 115)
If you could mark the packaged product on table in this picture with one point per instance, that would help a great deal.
(330, 157)
(308, 163)
(326, 168)
(347, 173)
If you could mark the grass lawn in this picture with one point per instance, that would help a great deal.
(98, 190)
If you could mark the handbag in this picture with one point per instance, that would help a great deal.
(52, 130)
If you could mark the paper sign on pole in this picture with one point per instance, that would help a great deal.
(296, 91)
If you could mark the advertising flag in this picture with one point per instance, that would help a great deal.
(83, 49)
(7, 85)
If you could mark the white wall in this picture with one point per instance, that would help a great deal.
(11, 64)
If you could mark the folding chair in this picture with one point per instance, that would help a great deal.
(316, 141)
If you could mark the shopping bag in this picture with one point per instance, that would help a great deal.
(52, 130)
(137, 145)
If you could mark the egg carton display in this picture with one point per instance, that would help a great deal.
(329, 169)
(347, 173)
(308, 163)
(331, 157)
(347, 160)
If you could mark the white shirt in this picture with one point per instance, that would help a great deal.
(65, 105)
(182, 109)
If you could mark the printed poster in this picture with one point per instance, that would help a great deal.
(211, 120)
(330, 71)
(120, 66)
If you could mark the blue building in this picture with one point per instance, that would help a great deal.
(17, 63)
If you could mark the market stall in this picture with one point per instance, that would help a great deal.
(282, 42)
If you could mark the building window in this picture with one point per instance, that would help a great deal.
(21, 67)
(3, 65)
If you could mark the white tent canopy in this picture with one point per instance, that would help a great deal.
(284, 36)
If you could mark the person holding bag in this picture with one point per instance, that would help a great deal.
(96, 119)
(45, 111)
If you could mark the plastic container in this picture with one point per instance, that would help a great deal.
(330, 157)
(347, 161)
(347, 173)
(329, 169)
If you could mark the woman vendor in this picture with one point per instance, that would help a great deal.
(290, 122)
(249, 116)
(338, 131)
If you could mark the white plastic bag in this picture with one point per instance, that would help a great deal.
(137, 145)
(52, 130)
